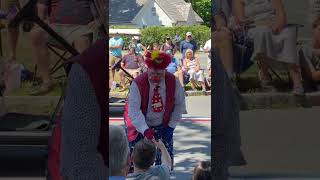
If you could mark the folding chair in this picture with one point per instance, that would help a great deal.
(244, 47)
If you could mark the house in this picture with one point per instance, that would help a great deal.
(144, 13)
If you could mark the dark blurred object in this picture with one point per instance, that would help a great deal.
(26, 74)
(27, 26)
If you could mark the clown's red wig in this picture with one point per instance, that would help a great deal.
(157, 60)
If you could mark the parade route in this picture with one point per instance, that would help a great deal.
(281, 144)
(192, 137)
(192, 142)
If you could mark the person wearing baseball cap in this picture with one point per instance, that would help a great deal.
(188, 43)
(155, 104)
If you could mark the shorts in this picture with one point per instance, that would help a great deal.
(70, 32)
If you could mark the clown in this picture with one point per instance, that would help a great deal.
(155, 105)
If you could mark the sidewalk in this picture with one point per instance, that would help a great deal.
(280, 100)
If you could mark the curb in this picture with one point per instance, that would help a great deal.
(188, 93)
(276, 100)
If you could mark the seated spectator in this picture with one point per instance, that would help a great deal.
(143, 157)
(191, 65)
(175, 68)
(77, 27)
(202, 171)
(119, 158)
(207, 49)
(222, 35)
(274, 42)
(311, 54)
(131, 62)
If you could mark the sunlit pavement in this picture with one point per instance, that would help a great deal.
(192, 137)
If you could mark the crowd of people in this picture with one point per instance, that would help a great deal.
(143, 158)
(263, 23)
(186, 69)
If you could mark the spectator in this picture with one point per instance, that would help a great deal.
(115, 45)
(192, 67)
(189, 43)
(133, 42)
(222, 35)
(73, 20)
(81, 134)
(175, 68)
(12, 68)
(155, 47)
(136, 43)
(119, 154)
(207, 49)
(168, 45)
(143, 157)
(131, 63)
(12, 7)
(314, 11)
(140, 48)
(274, 42)
(202, 171)
(311, 53)
(177, 40)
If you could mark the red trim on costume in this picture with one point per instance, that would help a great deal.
(143, 85)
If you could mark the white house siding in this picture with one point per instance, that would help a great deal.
(146, 18)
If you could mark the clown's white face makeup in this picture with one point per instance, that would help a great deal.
(156, 75)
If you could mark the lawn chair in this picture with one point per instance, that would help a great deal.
(243, 50)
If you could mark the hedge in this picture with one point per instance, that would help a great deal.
(157, 34)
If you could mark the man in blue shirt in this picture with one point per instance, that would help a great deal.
(189, 43)
(115, 46)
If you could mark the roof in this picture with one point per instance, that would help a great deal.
(178, 10)
(123, 11)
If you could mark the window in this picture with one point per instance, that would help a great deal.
(153, 11)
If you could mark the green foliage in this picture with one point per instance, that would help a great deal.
(203, 9)
(157, 34)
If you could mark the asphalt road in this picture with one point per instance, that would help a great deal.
(280, 143)
(192, 137)
(192, 142)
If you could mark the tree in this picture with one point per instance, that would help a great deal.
(203, 9)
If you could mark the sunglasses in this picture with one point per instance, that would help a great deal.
(189, 36)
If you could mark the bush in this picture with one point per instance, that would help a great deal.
(157, 34)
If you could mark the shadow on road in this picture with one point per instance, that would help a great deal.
(192, 143)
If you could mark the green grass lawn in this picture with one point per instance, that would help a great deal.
(249, 81)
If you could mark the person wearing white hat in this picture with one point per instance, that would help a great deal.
(188, 43)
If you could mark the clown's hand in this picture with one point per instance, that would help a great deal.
(149, 134)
